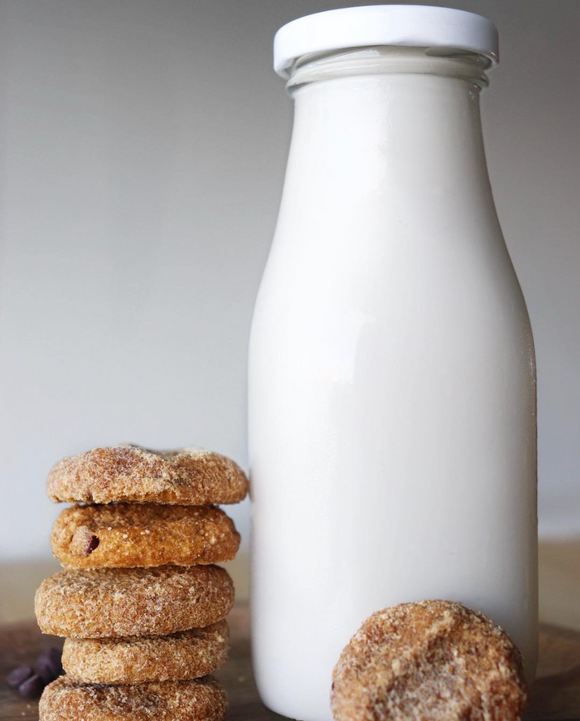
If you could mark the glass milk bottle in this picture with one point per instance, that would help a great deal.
(392, 395)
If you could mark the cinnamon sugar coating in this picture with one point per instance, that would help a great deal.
(178, 657)
(67, 700)
(429, 661)
(130, 535)
(117, 602)
(187, 476)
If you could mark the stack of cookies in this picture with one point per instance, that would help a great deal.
(141, 605)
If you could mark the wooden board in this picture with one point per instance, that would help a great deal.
(555, 696)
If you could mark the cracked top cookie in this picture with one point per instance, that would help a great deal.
(433, 660)
(129, 535)
(128, 473)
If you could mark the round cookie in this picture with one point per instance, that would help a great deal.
(130, 535)
(180, 656)
(432, 660)
(187, 476)
(117, 602)
(67, 700)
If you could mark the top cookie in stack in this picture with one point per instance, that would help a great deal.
(188, 476)
(140, 603)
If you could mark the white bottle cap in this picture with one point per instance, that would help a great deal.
(411, 25)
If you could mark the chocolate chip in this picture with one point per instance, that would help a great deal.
(92, 543)
(48, 665)
(83, 541)
(32, 687)
(18, 675)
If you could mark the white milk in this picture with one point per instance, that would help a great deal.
(392, 401)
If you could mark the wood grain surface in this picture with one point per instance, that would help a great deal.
(555, 696)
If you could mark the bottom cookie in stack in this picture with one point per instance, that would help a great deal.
(197, 700)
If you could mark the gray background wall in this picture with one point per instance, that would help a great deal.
(142, 151)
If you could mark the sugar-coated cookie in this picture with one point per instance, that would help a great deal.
(130, 535)
(187, 476)
(117, 602)
(67, 700)
(433, 660)
(177, 657)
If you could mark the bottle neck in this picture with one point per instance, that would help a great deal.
(401, 121)
(389, 60)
